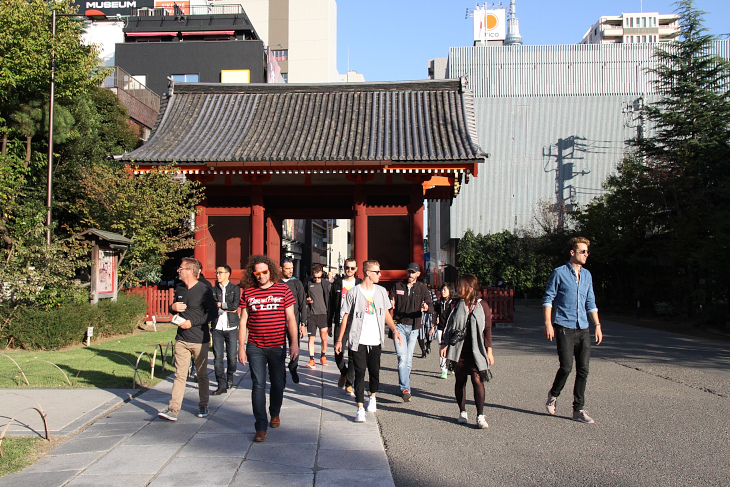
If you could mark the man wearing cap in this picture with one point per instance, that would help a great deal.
(409, 299)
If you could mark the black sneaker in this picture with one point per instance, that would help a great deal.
(203, 412)
(293, 370)
(406, 396)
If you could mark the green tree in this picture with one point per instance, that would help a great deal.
(151, 208)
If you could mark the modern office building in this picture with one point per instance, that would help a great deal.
(301, 34)
(207, 48)
(633, 28)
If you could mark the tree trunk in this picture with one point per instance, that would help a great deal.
(27, 150)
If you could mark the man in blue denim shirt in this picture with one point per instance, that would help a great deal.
(570, 289)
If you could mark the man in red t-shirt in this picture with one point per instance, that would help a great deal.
(267, 314)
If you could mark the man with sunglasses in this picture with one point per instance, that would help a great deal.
(195, 308)
(225, 329)
(409, 298)
(570, 291)
(267, 314)
(340, 288)
(318, 302)
(366, 311)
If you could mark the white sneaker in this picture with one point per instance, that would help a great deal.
(481, 422)
(360, 416)
(463, 418)
(372, 405)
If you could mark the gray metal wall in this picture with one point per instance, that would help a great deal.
(554, 121)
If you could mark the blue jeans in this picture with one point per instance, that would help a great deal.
(405, 354)
(258, 359)
(224, 343)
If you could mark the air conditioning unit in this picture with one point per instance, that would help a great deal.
(141, 12)
(159, 12)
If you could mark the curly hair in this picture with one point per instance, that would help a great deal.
(467, 288)
(249, 280)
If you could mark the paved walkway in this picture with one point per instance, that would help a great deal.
(317, 444)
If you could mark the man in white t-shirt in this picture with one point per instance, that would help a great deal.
(366, 310)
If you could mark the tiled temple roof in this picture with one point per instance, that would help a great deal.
(422, 123)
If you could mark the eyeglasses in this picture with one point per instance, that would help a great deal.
(582, 252)
(376, 272)
(287, 260)
(316, 277)
(351, 268)
(258, 273)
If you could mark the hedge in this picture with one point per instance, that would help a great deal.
(41, 329)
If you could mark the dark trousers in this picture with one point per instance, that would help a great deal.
(346, 369)
(572, 343)
(366, 356)
(224, 342)
(258, 359)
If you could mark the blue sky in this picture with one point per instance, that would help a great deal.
(390, 40)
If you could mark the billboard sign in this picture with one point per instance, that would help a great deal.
(112, 8)
(490, 25)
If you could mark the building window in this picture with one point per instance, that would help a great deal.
(185, 78)
(281, 54)
(285, 77)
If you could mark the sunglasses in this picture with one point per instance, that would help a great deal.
(376, 272)
(351, 268)
(258, 273)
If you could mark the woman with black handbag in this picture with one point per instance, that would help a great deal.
(467, 346)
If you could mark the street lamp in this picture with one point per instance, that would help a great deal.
(88, 15)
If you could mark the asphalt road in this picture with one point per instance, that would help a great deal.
(661, 402)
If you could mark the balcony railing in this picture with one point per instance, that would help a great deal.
(122, 80)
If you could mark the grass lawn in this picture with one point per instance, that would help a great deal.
(21, 452)
(107, 364)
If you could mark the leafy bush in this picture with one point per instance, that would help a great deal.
(54, 328)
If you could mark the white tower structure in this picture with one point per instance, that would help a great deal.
(513, 27)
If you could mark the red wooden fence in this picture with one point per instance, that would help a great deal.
(502, 302)
(158, 301)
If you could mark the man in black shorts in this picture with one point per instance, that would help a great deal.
(318, 297)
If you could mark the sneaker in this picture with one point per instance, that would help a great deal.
(203, 412)
(582, 416)
(372, 405)
(443, 374)
(342, 380)
(323, 361)
(481, 422)
(360, 416)
(550, 404)
(463, 418)
(311, 364)
(406, 396)
(349, 391)
(168, 415)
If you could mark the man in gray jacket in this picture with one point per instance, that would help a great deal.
(366, 310)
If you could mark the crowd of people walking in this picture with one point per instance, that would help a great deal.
(255, 322)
